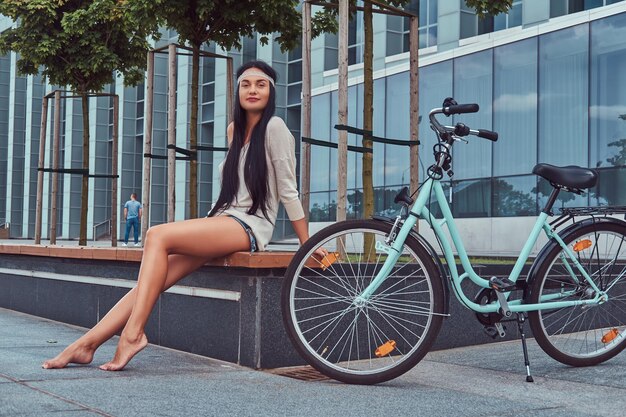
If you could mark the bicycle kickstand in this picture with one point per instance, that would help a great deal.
(521, 319)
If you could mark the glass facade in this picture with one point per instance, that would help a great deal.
(556, 98)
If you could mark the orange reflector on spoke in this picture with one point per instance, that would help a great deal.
(582, 245)
(386, 348)
(329, 259)
(610, 335)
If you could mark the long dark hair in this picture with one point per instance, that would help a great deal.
(255, 167)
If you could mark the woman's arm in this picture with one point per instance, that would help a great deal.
(301, 227)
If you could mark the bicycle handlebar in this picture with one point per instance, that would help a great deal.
(487, 134)
(450, 107)
(460, 109)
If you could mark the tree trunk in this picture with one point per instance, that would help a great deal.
(368, 115)
(84, 195)
(193, 133)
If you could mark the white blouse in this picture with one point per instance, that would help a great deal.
(281, 170)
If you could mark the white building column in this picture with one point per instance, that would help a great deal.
(11, 137)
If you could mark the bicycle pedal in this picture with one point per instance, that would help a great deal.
(496, 330)
(501, 284)
(491, 332)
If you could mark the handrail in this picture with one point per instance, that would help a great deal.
(95, 227)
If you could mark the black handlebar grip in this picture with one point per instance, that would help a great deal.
(460, 109)
(488, 134)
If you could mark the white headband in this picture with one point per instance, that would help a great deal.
(256, 73)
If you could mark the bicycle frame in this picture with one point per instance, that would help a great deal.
(419, 210)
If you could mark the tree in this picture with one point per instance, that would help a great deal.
(489, 7)
(80, 44)
(225, 22)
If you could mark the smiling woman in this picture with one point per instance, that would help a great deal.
(257, 175)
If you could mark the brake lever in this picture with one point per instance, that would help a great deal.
(459, 139)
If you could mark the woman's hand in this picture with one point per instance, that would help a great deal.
(321, 253)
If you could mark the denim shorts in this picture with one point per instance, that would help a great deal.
(253, 246)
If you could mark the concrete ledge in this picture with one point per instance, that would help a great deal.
(229, 309)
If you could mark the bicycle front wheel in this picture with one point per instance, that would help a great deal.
(354, 340)
(589, 334)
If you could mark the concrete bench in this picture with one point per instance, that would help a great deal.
(229, 309)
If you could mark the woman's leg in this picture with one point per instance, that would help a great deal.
(207, 238)
(82, 350)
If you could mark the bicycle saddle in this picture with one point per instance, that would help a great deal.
(571, 176)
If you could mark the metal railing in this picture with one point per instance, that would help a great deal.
(99, 230)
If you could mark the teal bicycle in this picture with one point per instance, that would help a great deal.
(371, 309)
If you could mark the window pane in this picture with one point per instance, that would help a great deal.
(473, 84)
(435, 84)
(320, 209)
(515, 196)
(607, 107)
(610, 188)
(471, 198)
(515, 108)
(563, 97)
(565, 199)
(320, 129)
(397, 110)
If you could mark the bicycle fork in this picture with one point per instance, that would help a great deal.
(393, 249)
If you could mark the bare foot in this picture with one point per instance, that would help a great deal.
(74, 353)
(126, 349)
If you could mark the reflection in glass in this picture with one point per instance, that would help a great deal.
(564, 199)
(515, 108)
(610, 188)
(471, 198)
(320, 129)
(354, 206)
(563, 108)
(514, 196)
(435, 84)
(607, 107)
(397, 126)
(319, 207)
(473, 84)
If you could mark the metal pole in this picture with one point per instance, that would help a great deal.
(147, 148)
(414, 101)
(305, 157)
(55, 166)
(342, 152)
(171, 134)
(40, 165)
(114, 180)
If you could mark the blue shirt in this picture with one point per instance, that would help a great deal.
(133, 208)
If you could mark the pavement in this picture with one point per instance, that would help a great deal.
(484, 380)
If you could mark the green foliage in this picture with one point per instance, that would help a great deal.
(325, 20)
(80, 43)
(620, 158)
(224, 22)
(489, 7)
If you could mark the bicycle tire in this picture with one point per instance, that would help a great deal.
(407, 309)
(581, 335)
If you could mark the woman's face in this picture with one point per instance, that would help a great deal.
(254, 92)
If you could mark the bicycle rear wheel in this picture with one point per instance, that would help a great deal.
(361, 342)
(591, 334)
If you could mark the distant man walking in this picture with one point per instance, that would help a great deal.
(132, 214)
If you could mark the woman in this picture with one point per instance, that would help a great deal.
(259, 171)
